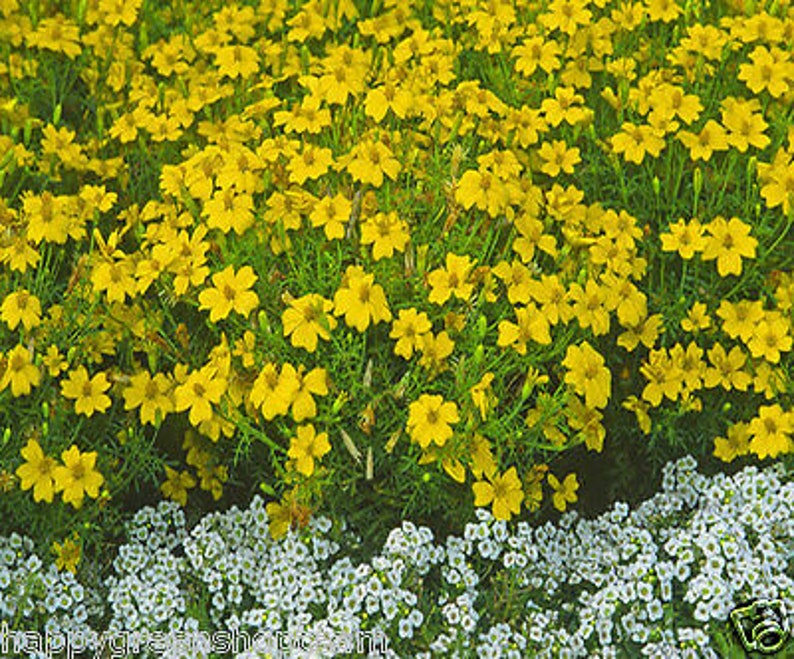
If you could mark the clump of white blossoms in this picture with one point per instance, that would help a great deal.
(659, 581)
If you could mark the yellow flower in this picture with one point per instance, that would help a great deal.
(368, 161)
(37, 472)
(21, 307)
(386, 233)
(735, 445)
(360, 300)
(229, 210)
(150, 394)
(452, 280)
(482, 396)
(198, 392)
(274, 392)
(230, 293)
(565, 492)
(312, 163)
(77, 476)
(409, 328)
(504, 492)
(640, 409)
(306, 447)
(686, 238)
(635, 141)
(532, 326)
(558, 157)
(726, 369)
(177, 485)
(88, 394)
(58, 34)
(712, 137)
(770, 338)
(430, 419)
(770, 432)
(741, 318)
(769, 70)
(696, 319)
(435, 350)
(306, 319)
(21, 373)
(728, 242)
(331, 213)
(566, 15)
(236, 61)
(313, 383)
(588, 374)
(67, 555)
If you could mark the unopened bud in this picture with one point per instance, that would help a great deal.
(56, 116)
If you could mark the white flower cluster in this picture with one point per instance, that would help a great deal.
(39, 598)
(659, 581)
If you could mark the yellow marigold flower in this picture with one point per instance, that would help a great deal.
(566, 106)
(274, 392)
(311, 163)
(663, 10)
(566, 15)
(558, 158)
(236, 61)
(151, 395)
(640, 409)
(306, 319)
(726, 369)
(360, 300)
(198, 392)
(532, 326)
(745, 124)
(518, 280)
(306, 447)
(67, 555)
(588, 374)
(565, 492)
(177, 485)
(21, 373)
(231, 292)
(113, 12)
(735, 445)
(587, 421)
(430, 419)
(741, 318)
(77, 476)
(536, 52)
(451, 280)
(229, 210)
(664, 379)
(768, 70)
(47, 218)
(686, 238)
(483, 190)
(712, 137)
(778, 187)
(770, 432)
(58, 34)
(771, 337)
(435, 350)
(331, 213)
(668, 101)
(116, 278)
(313, 383)
(88, 393)
(728, 242)
(213, 478)
(591, 306)
(369, 161)
(505, 493)
(386, 232)
(697, 319)
(19, 255)
(304, 117)
(408, 328)
(635, 141)
(37, 472)
(482, 395)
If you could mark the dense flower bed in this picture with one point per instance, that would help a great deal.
(658, 581)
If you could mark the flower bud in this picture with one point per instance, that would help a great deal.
(56, 116)
(657, 186)
(698, 181)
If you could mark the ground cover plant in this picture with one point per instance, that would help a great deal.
(386, 261)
